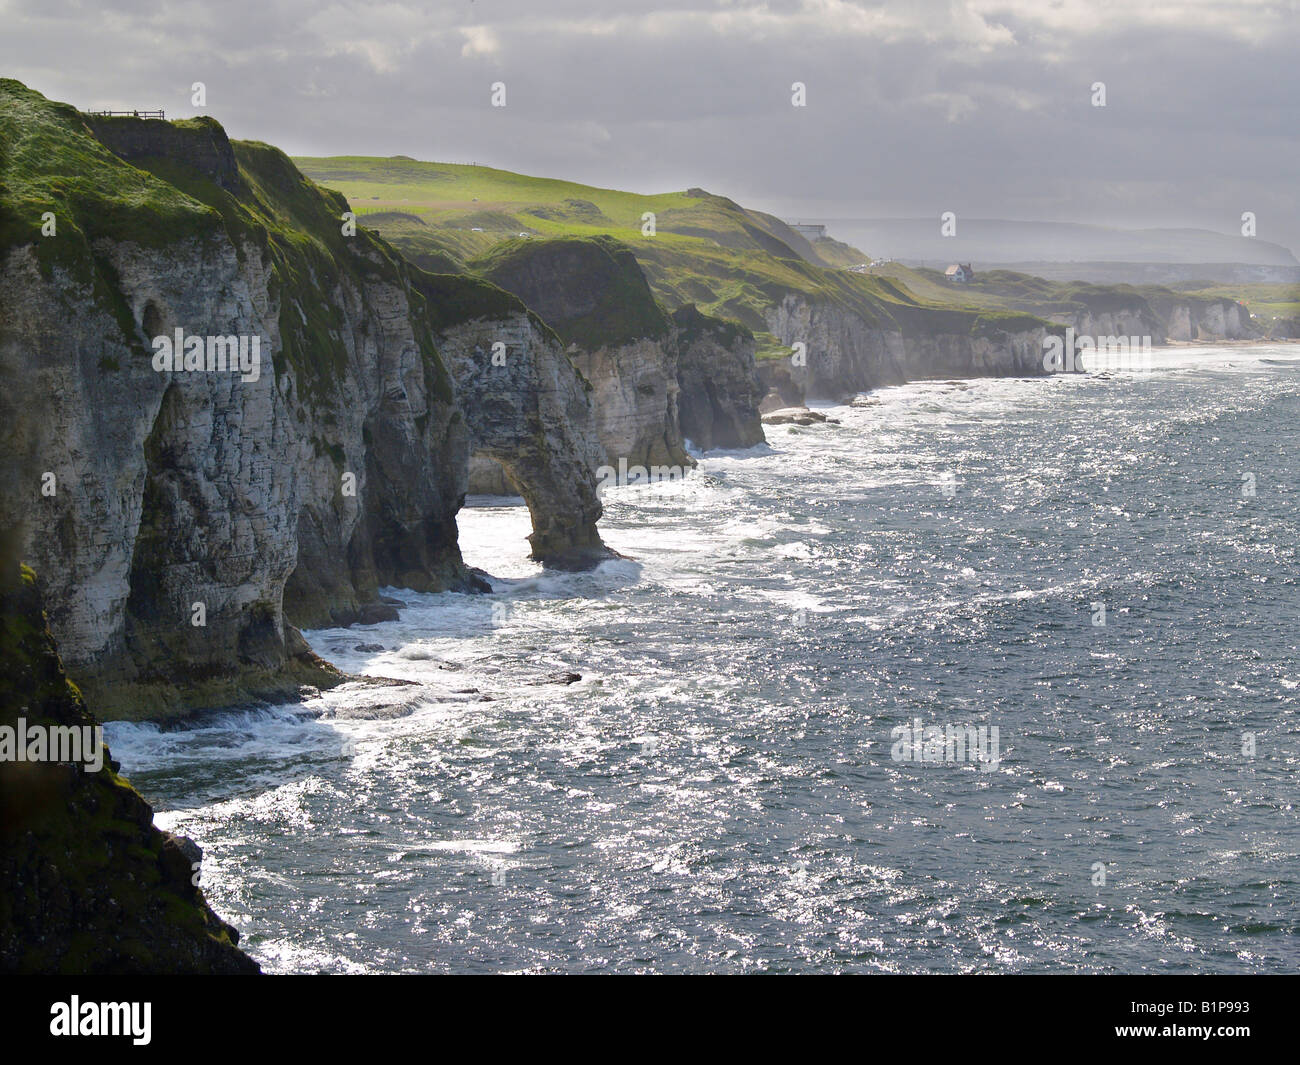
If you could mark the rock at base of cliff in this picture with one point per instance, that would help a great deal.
(797, 416)
(91, 887)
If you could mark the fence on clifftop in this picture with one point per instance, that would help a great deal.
(127, 114)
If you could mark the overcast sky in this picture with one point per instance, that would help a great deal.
(982, 107)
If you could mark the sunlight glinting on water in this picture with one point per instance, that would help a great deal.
(719, 790)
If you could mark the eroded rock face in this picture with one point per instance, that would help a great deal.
(1219, 320)
(393, 425)
(847, 354)
(1162, 317)
(531, 425)
(1138, 321)
(593, 294)
(172, 498)
(182, 520)
(176, 492)
(634, 393)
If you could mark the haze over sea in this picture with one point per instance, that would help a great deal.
(718, 792)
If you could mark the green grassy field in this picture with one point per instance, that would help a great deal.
(729, 261)
(1266, 301)
(705, 249)
(454, 200)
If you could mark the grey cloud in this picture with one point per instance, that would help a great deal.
(978, 106)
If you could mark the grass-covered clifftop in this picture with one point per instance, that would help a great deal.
(454, 201)
(50, 163)
(588, 289)
(731, 262)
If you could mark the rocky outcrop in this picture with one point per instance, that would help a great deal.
(1136, 321)
(844, 352)
(529, 413)
(593, 294)
(200, 142)
(719, 390)
(1202, 319)
(184, 518)
(1163, 317)
(91, 887)
(797, 416)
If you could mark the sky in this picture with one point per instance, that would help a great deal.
(980, 107)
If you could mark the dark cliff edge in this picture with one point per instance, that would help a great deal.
(91, 887)
(719, 386)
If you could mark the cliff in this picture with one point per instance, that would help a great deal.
(183, 519)
(1200, 318)
(592, 293)
(1161, 315)
(719, 391)
(1093, 310)
(90, 885)
(847, 351)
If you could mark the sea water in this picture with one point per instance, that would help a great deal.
(1101, 567)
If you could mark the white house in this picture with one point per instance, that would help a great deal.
(960, 272)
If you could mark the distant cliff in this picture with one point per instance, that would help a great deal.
(1161, 315)
(844, 351)
(1111, 310)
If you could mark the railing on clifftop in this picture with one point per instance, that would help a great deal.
(126, 114)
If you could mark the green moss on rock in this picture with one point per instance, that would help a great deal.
(90, 885)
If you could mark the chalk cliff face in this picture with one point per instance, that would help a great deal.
(594, 295)
(530, 416)
(90, 885)
(1137, 321)
(635, 390)
(182, 519)
(846, 353)
(1223, 319)
(1164, 318)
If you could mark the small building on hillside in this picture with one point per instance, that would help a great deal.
(808, 229)
(960, 272)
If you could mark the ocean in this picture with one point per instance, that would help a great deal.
(1100, 567)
